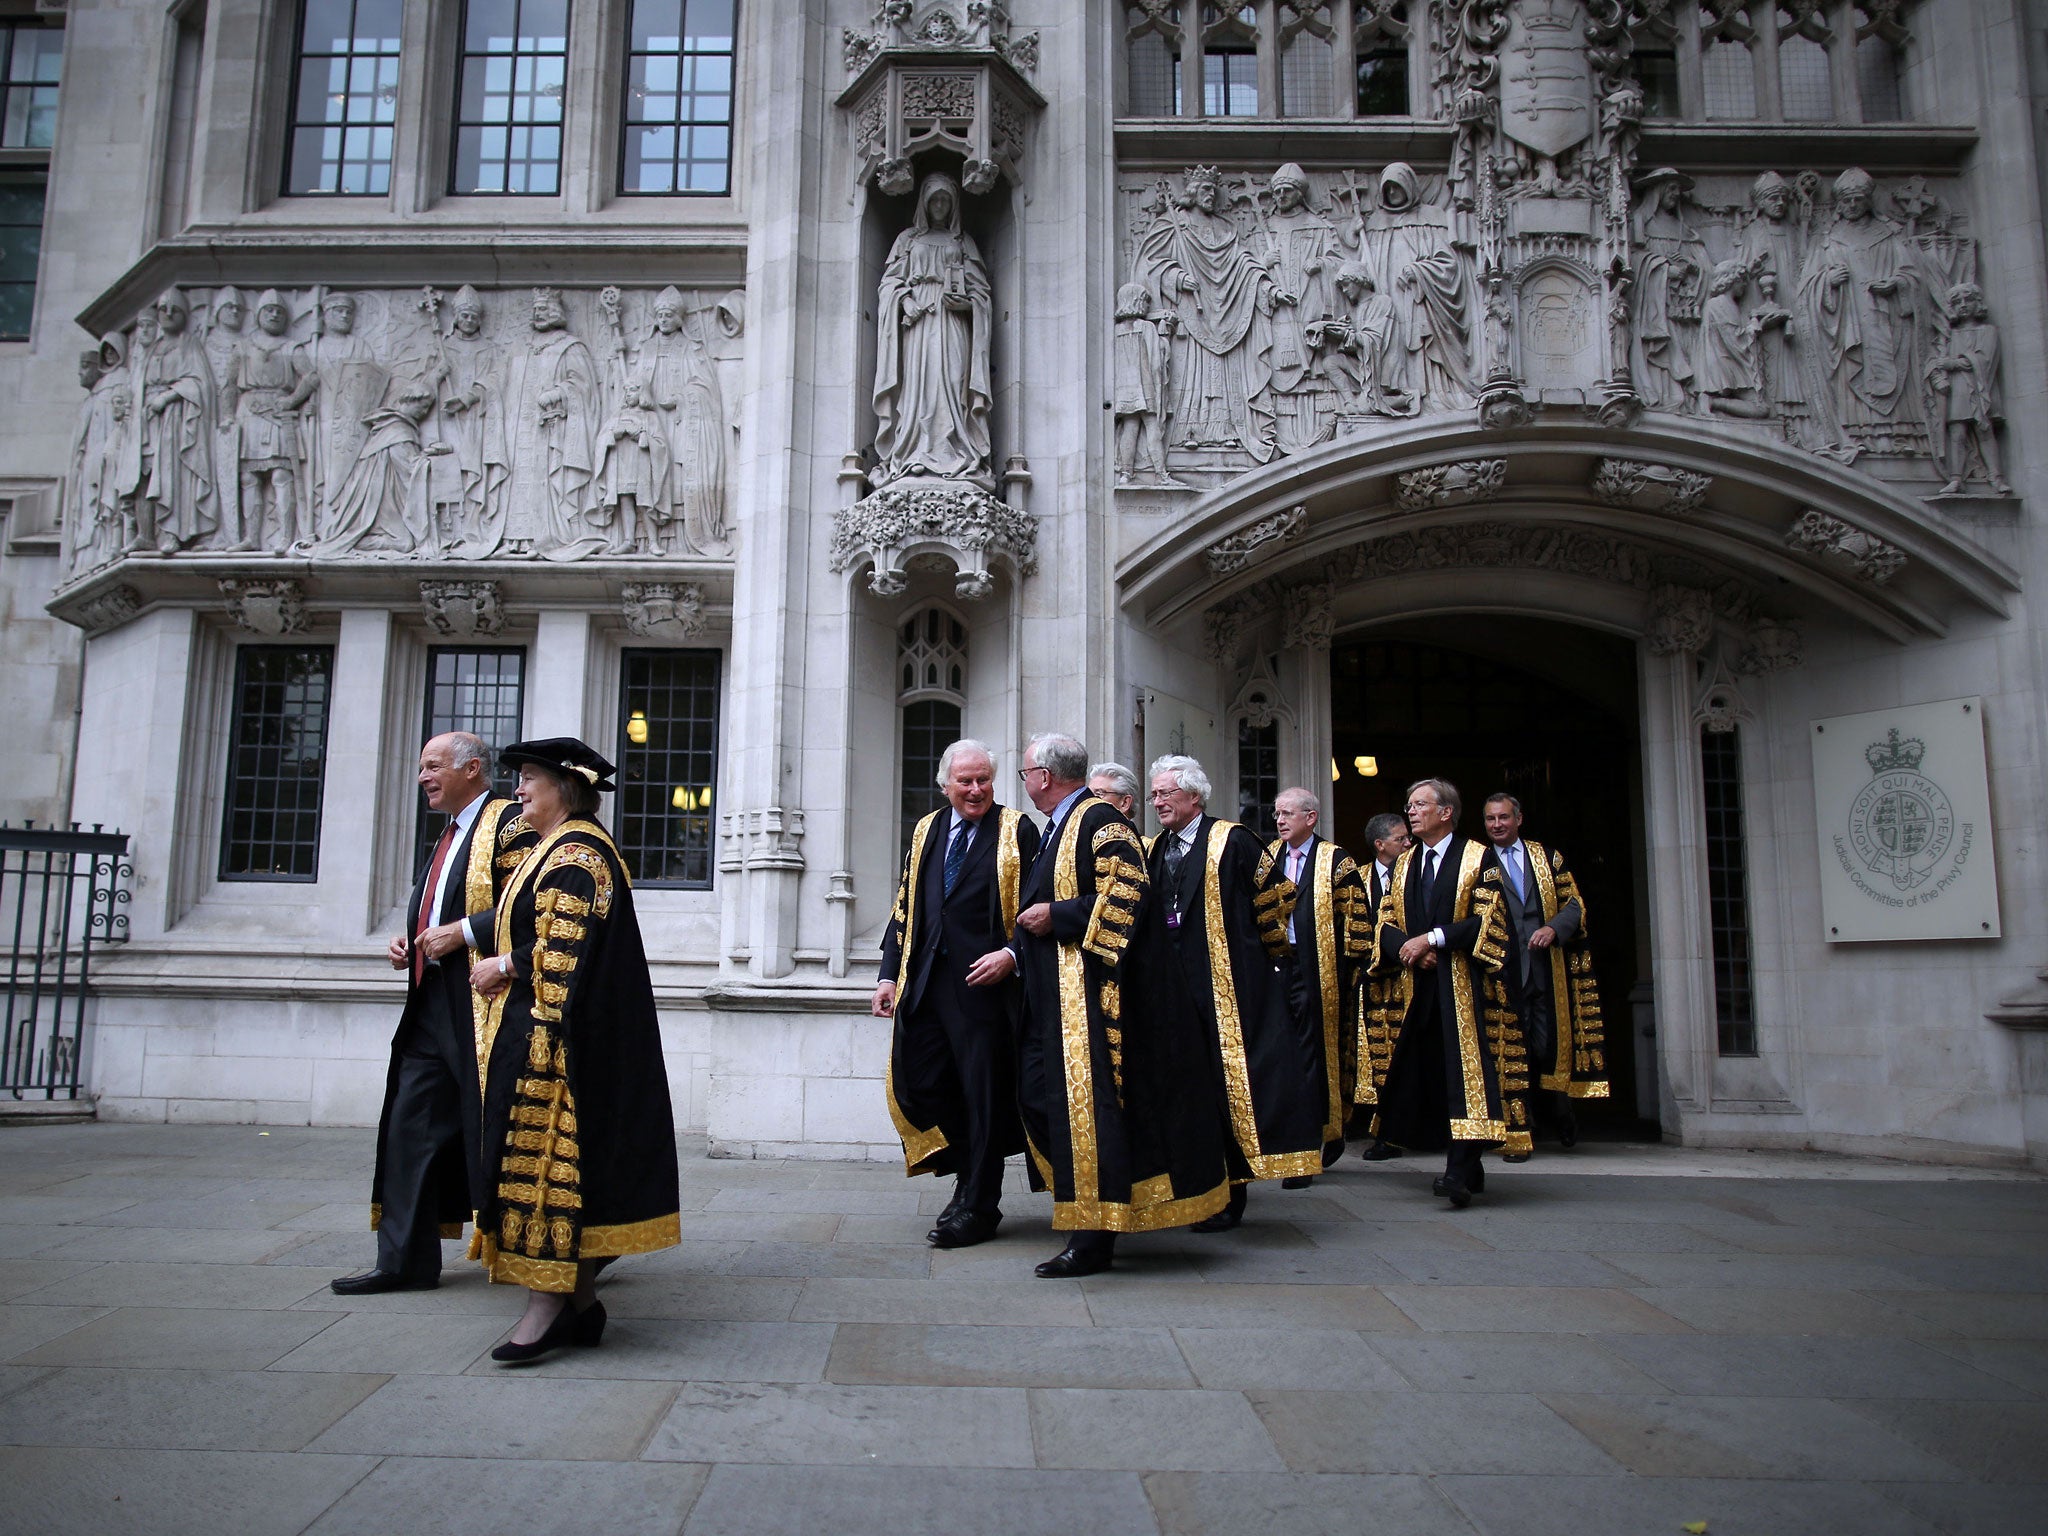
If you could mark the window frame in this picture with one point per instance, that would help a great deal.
(623, 747)
(292, 125)
(626, 54)
(498, 779)
(237, 683)
(563, 125)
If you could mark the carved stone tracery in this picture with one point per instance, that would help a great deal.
(956, 521)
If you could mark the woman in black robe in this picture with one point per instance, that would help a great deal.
(579, 1141)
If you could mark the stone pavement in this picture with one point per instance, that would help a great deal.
(1617, 1340)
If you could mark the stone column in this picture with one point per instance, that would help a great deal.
(1307, 638)
(1681, 940)
(555, 703)
(357, 762)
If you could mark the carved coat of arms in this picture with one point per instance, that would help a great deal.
(1546, 82)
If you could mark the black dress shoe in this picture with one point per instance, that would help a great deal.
(953, 1208)
(965, 1230)
(1514, 1157)
(1224, 1220)
(1454, 1190)
(1568, 1131)
(1332, 1150)
(569, 1327)
(1380, 1152)
(374, 1282)
(1071, 1263)
(1299, 1181)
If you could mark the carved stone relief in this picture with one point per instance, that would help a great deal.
(663, 610)
(109, 609)
(1450, 485)
(940, 76)
(1650, 487)
(462, 609)
(1309, 623)
(1681, 621)
(960, 521)
(1869, 556)
(393, 425)
(1230, 555)
(266, 607)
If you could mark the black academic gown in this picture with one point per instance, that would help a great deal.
(1456, 1069)
(1332, 922)
(1111, 1043)
(578, 1134)
(951, 1083)
(425, 1176)
(1230, 904)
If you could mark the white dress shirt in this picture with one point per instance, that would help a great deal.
(464, 819)
(1435, 851)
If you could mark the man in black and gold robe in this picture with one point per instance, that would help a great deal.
(1109, 1042)
(952, 1080)
(1225, 909)
(1387, 835)
(429, 1175)
(1329, 937)
(1456, 1070)
(1558, 997)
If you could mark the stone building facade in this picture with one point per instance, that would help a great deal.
(1586, 398)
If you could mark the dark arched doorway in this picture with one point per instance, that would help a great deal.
(1547, 712)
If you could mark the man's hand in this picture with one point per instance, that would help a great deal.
(442, 940)
(1413, 952)
(1427, 962)
(883, 1004)
(997, 965)
(488, 977)
(401, 955)
(1037, 920)
(1543, 937)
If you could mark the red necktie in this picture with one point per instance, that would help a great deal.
(426, 917)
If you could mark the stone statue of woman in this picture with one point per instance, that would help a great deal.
(931, 355)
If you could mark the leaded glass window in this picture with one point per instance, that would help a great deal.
(21, 241)
(931, 692)
(508, 132)
(668, 766)
(477, 690)
(31, 59)
(277, 761)
(344, 98)
(1728, 890)
(678, 110)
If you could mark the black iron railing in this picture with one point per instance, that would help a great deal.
(61, 893)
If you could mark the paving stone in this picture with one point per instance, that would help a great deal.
(1294, 1504)
(1042, 1302)
(1186, 1431)
(1537, 1267)
(701, 1298)
(698, 1256)
(335, 1216)
(822, 1424)
(1808, 1367)
(1972, 1315)
(63, 1491)
(1725, 1309)
(14, 1377)
(59, 1209)
(24, 1277)
(1640, 1506)
(1741, 1437)
(912, 1501)
(1583, 1234)
(348, 1253)
(522, 1417)
(420, 1344)
(1820, 1242)
(1390, 1237)
(1946, 1242)
(1115, 1301)
(25, 1328)
(177, 1338)
(180, 1410)
(473, 1497)
(1756, 1271)
(1526, 1309)
(464, 1288)
(827, 1202)
(834, 1261)
(1423, 1433)
(1509, 1362)
(177, 1285)
(176, 1245)
(648, 1349)
(2023, 1362)
(1957, 1272)
(1005, 1356)
(25, 1242)
(1233, 1359)
(1965, 1509)
(785, 1227)
(1306, 1266)
(215, 1213)
(1987, 1442)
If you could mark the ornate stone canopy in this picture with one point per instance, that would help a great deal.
(1440, 509)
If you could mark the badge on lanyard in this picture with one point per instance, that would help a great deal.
(1173, 917)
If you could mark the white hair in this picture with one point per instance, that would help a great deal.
(1301, 799)
(1121, 780)
(1060, 755)
(464, 748)
(1187, 774)
(966, 746)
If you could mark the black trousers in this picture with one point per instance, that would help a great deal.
(425, 1129)
(968, 1047)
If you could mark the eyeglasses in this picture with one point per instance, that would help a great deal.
(1025, 773)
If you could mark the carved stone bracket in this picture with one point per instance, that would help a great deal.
(1451, 485)
(108, 610)
(1650, 487)
(663, 610)
(1230, 555)
(462, 609)
(1870, 557)
(1772, 645)
(1681, 620)
(266, 607)
(772, 837)
(1309, 623)
(1222, 631)
(940, 77)
(949, 519)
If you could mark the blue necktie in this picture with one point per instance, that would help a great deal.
(1516, 874)
(956, 853)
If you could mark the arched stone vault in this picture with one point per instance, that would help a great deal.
(1450, 510)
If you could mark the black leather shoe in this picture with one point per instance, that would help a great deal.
(1380, 1152)
(1224, 1220)
(965, 1230)
(374, 1282)
(1299, 1181)
(1071, 1263)
(953, 1208)
(1456, 1191)
(569, 1327)
(1514, 1157)
(1332, 1150)
(1568, 1131)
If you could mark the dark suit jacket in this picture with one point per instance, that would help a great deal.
(446, 981)
(1524, 918)
(955, 930)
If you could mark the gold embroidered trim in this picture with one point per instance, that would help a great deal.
(1237, 1081)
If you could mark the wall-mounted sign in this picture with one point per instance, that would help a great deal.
(1175, 726)
(1904, 811)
